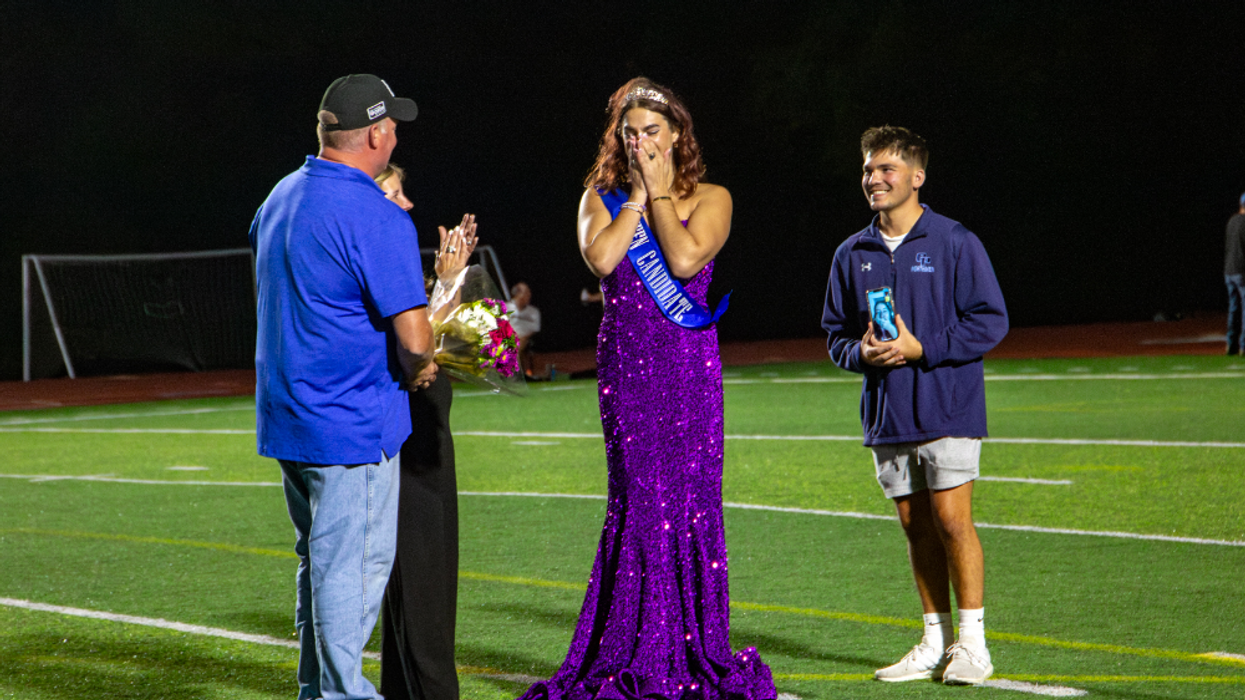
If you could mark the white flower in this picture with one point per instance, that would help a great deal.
(477, 318)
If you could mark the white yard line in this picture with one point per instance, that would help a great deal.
(140, 431)
(160, 623)
(209, 632)
(598, 497)
(1051, 691)
(114, 416)
(1109, 533)
(527, 434)
(1120, 443)
(597, 436)
(857, 438)
(1019, 480)
(1076, 374)
(873, 516)
(1091, 377)
(1225, 655)
(105, 478)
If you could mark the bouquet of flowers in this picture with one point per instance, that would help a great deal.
(474, 339)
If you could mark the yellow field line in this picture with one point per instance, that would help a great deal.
(521, 581)
(1200, 658)
(831, 615)
(1030, 678)
(1114, 649)
(823, 676)
(913, 624)
(219, 546)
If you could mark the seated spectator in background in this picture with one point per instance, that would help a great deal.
(586, 297)
(526, 321)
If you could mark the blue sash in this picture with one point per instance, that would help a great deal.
(650, 265)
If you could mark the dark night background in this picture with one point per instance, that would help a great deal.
(1096, 148)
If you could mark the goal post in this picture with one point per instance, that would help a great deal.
(99, 314)
(484, 255)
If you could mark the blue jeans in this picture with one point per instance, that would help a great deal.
(345, 521)
(1236, 330)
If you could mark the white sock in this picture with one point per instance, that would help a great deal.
(973, 628)
(937, 630)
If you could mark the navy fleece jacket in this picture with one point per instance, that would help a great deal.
(945, 290)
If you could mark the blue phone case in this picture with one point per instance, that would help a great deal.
(882, 312)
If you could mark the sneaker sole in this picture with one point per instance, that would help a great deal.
(957, 680)
(904, 679)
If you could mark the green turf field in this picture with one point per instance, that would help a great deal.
(1112, 514)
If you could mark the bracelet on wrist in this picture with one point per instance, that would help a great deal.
(637, 208)
(658, 199)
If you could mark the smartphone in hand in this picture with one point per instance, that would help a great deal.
(882, 312)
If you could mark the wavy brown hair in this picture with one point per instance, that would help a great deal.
(611, 171)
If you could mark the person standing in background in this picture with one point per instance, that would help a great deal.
(1234, 277)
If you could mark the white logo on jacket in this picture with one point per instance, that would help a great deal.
(923, 263)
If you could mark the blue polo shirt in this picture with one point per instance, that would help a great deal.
(334, 260)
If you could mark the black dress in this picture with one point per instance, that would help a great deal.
(417, 648)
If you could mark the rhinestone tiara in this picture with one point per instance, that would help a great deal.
(643, 93)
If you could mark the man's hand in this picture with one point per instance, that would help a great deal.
(896, 353)
(415, 349)
(425, 378)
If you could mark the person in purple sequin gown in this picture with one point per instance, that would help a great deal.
(655, 622)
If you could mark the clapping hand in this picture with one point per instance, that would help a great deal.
(456, 248)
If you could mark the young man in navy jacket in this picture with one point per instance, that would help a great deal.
(923, 404)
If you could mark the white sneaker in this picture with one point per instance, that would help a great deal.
(922, 662)
(967, 665)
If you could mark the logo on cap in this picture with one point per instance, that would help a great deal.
(376, 110)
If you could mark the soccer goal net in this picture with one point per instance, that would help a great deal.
(102, 314)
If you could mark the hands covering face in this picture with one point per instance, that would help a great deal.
(652, 168)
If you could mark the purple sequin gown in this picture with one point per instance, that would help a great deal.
(656, 621)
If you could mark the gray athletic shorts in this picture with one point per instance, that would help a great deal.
(907, 467)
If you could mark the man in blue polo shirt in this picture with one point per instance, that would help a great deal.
(343, 329)
(924, 403)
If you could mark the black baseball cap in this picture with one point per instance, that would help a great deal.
(362, 99)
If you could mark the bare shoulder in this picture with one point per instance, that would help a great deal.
(711, 198)
(590, 198)
(590, 203)
(708, 192)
